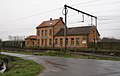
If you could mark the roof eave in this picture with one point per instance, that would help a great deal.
(73, 35)
(44, 26)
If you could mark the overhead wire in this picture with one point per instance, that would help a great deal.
(43, 13)
(105, 19)
(109, 22)
(31, 16)
(77, 21)
(100, 12)
(107, 11)
(85, 2)
(61, 8)
(112, 3)
(71, 5)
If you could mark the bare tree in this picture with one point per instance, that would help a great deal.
(16, 38)
(10, 38)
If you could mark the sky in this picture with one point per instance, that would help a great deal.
(21, 17)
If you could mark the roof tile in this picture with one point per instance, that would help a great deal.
(48, 23)
(31, 37)
(76, 31)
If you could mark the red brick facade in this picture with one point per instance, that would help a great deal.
(51, 34)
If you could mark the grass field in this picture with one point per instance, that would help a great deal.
(66, 55)
(19, 67)
(72, 55)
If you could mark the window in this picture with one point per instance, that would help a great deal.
(66, 41)
(61, 41)
(33, 42)
(50, 32)
(77, 41)
(42, 32)
(38, 32)
(45, 42)
(45, 32)
(72, 41)
(84, 41)
(93, 39)
(38, 41)
(42, 42)
(56, 41)
(50, 41)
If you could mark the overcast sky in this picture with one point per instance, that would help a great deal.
(21, 17)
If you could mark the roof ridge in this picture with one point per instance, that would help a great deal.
(77, 27)
(51, 20)
(80, 26)
(76, 31)
(48, 23)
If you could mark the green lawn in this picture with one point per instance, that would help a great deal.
(19, 67)
(72, 55)
(66, 55)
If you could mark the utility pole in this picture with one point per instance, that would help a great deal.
(65, 27)
(83, 13)
(96, 33)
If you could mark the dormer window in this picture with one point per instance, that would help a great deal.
(50, 23)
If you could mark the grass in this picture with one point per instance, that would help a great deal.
(54, 53)
(19, 67)
(67, 55)
(72, 55)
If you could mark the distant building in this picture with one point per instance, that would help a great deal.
(31, 41)
(51, 34)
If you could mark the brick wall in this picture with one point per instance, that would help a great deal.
(73, 41)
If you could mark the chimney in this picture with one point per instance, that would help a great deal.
(50, 18)
(61, 18)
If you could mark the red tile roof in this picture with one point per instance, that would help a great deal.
(31, 37)
(84, 30)
(49, 23)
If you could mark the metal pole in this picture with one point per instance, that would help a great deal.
(80, 11)
(96, 34)
(96, 22)
(65, 30)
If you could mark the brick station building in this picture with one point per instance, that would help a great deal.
(51, 34)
